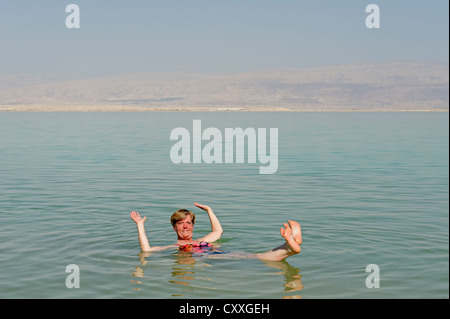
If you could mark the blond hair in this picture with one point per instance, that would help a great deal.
(180, 215)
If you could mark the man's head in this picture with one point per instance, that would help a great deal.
(183, 223)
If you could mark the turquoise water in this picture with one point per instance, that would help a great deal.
(367, 188)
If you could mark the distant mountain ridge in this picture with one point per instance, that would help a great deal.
(392, 86)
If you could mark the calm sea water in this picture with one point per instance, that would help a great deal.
(367, 188)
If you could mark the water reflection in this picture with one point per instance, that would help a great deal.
(292, 277)
(188, 272)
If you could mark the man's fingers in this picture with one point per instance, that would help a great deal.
(135, 215)
(204, 207)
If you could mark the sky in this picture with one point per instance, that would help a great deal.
(117, 37)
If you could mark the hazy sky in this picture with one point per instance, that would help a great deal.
(214, 36)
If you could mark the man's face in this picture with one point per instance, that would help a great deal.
(185, 228)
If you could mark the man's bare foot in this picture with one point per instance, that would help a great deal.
(290, 240)
(296, 231)
(293, 236)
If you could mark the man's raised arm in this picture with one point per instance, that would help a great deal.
(216, 228)
(143, 241)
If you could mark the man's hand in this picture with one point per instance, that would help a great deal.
(137, 218)
(204, 207)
